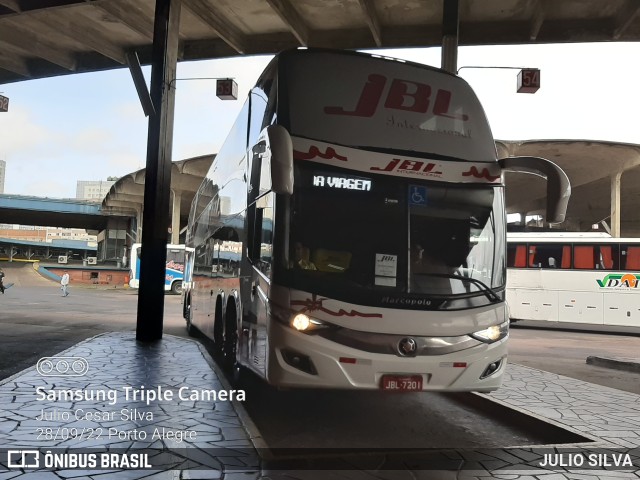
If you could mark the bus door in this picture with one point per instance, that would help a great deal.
(256, 283)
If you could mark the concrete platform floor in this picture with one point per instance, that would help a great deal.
(186, 436)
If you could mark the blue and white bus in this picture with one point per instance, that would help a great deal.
(174, 273)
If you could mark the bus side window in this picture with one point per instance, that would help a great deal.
(632, 258)
(516, 256)
(261, 234)
(583, 257)
(566, 257)
(532, 256)
(608, 257)
(546, 255)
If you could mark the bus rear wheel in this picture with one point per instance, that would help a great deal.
(176, 287)
(191, 329)
(229, 344)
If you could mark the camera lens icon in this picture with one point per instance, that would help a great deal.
(62, 366)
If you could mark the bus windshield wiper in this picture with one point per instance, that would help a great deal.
(483, 287)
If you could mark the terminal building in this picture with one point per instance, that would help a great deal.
(94, 189)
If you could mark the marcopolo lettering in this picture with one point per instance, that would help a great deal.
(406, 301)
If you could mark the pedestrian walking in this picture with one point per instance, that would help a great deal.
(1, 281)
(64, 281)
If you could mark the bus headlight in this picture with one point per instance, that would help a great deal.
(301, 322)
(493, 333)
(297, 320)
(304, 323)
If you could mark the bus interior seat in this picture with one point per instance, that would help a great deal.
(331, 260)
(305, 254)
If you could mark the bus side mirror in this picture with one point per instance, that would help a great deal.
(558, 186)
(281, 159)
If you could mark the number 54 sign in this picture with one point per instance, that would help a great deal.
(4, 104)
(528, 80)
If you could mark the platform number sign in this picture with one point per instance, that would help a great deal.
(227, 89)
(528, 80)
(4, 104)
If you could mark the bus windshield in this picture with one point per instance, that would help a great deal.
(370, 236)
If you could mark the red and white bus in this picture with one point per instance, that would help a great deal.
(351, 231)
(574, 280)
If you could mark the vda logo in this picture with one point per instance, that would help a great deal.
(619, 280)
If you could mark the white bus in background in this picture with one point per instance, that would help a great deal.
(574, 280)
(351, 230)
(174, 272)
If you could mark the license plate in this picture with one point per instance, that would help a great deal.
(402, 383)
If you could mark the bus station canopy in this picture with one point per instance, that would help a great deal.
(44, 38)
(591, 166)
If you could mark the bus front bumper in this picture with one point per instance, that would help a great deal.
(307, 361)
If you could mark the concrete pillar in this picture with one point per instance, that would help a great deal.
(175, 216)
(157, 183)
(139, 211)
(615, 204)
(450, 22)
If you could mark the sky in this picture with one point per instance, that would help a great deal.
(91, 126)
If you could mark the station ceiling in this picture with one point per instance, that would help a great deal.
(44, 38)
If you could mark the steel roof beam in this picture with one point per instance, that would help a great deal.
(90, 37)
(216, 21)
(133, 18)
(32, 44)
(625, 17)
(14, 63)
(292, 19)
(371, 17)
(539, 14)
(18, 7)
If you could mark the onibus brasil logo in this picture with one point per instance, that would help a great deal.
(620, 280)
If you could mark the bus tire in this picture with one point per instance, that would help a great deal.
(230, 339)
(239, 375)
(192, 331)
(218, 329)
(176, 287)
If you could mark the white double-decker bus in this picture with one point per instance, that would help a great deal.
(574, 280)
(351, 231)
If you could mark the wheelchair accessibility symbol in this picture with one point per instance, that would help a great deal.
(417, 195)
